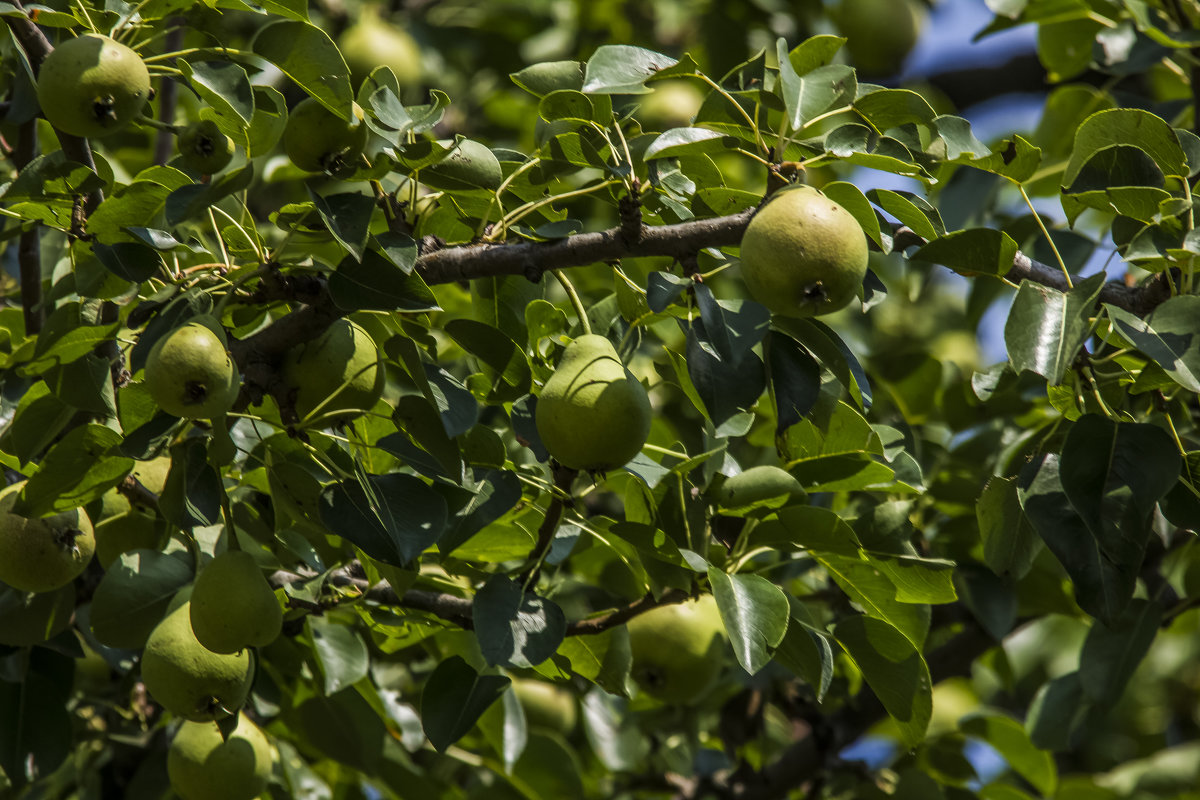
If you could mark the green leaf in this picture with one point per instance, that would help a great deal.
(1127, 126)
(35, 716)
(603, 658)
(196, 199)
(80, 467)
(508, 370)
(983, 251)
(340, 653)
(875, 594)
(809, 95)
(1058, 714)
(911, 210)
(348, 217)
(454, 698)
(393, 517)
(134, 593)
(1103, 587)
(889, 108)
(1114, 474)
(516, 628)
(622, 69)
(1046, 327)
(224, 86)
(1111, 653)
(807, 527)
(39, 418)
(805, 650)
(1168, 336)
(755, 613)
(894, 669)
(1009, 543)
(851, 198)
(375, 283)
(307, 55)
(1010, 739)
(549, 76)
(917, 580)
(686, 141)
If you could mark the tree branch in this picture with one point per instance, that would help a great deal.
(460, 610)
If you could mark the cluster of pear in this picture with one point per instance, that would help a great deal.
(94, 86)
(197, 664)
(190, 372)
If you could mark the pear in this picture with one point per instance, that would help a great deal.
(233, 606)
(191, 374)
(337, 373)
(765, 482)
(185, 677)
(803, 255)
(204, 765)
(42, 554)
(546, 705)
(676, 649)
(592, 414)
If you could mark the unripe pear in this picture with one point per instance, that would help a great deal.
(32, 617)
(233, 606)
(803, 255)
(317, 140)
(546, 705)
(676, 649)
(673, 104)
(203, 765)
(191, 374)
(92, 86)
(374, 42)
(592, 414)
(42, 554)
(203, 148)
(337, 373)
(755, 484)
(185, 677)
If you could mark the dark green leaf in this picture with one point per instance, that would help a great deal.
(755, 613)
(391, 517)
(1046, 327)
(134, 594)
(375, 283)
(622, 69)
(894, 669)
(454, 698)
(516, 628)
(976, 251)
(1111, 653)
(307, 55)
(1009, 543)
(80, 467)
(340, 653)
(348, 217)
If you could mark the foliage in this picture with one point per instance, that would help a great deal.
(966, 558)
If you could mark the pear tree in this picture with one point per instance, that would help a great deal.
(558, 400)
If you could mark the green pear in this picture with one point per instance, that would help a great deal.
(33, 617)
(92, 86)
(803, 255)
(374, 42)
(337, 373)
(592, 414)
(204, 765)
(42, 554)
(546, 705)
(676, 650)
(233, 606)
(191, 374)
(185, 677)
(757, 484)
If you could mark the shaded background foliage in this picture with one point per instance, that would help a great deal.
(985, 587)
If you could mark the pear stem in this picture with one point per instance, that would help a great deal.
(575, 301)
(563, 478)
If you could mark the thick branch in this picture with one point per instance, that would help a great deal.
(460, 610)
(29, 246)
(531, 259)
